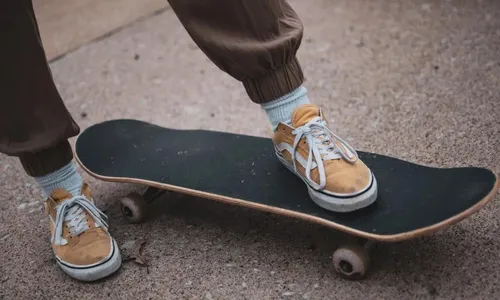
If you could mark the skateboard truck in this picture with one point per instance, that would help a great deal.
(134, 205)
(351, 261)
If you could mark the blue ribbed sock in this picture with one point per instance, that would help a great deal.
(66, 178)
(281, 109)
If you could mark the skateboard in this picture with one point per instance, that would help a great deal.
(413, 200)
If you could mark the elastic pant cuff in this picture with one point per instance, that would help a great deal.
(276, 84)
(47, 161)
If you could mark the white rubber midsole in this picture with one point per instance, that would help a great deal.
(96, 272)
(337, 204)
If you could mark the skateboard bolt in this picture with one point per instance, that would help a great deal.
(127, 211)
(346, 267)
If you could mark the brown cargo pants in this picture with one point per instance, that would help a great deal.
(254, 41)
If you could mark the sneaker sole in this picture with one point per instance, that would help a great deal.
(95, 272)
(337, 204)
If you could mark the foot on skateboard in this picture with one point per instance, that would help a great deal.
(335, 177)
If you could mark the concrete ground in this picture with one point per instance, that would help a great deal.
(419, 80)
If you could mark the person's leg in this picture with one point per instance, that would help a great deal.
(35, 126)
(256, 42)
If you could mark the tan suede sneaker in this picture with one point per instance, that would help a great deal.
(336, 178)
(81, 242)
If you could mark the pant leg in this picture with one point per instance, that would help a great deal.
(254, 41)
(34, 122)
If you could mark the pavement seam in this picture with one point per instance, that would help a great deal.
(111, 33)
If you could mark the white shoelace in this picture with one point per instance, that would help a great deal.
(322, 147)
(73, 212)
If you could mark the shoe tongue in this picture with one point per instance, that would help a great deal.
(304, 114)
(60, 195)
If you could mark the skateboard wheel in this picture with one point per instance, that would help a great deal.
(352, 261)
(134, 207)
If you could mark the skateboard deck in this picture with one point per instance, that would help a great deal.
(413, 199)
(244, 170)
